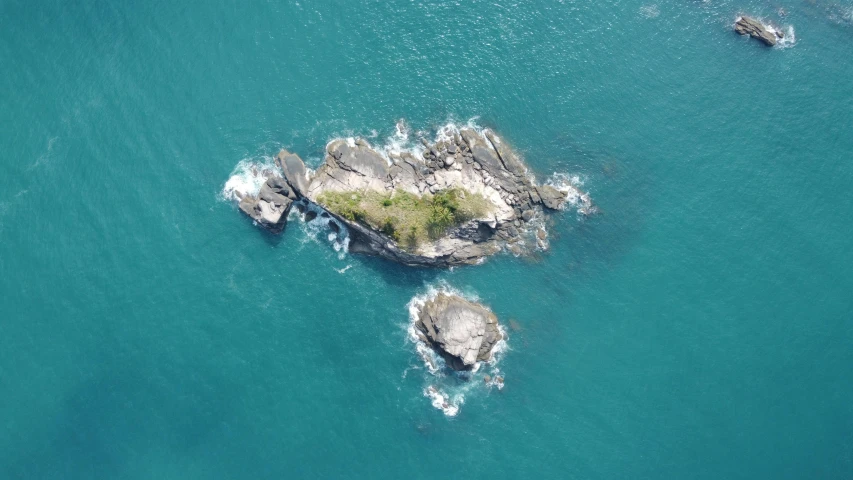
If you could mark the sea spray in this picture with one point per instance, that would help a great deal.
(315, 223)
(575, 197)
(789, 39)
(404, 140)
(247, 177)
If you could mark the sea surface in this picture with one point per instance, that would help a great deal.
(700, 326)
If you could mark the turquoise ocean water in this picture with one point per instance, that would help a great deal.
(701, 326)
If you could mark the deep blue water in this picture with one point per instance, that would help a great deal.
(701, 326)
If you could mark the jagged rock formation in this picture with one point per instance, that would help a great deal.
(462, 332)
(270, 208)
(478, 164)
(752, 27)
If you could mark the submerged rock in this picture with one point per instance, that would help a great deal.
(270, 208)
(755, 29)
(462, 332)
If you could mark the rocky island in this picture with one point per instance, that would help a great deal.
(451, 202)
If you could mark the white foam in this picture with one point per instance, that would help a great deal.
(318, 228)
(443, 402)
(789, 39)
(447, 131)
(575, 197)
(248, 177)
(401, 140)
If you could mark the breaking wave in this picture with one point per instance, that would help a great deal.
(575, 197)
(404, 140)
(316, 225)
(789, 39)
(248, 177)
(445, 387)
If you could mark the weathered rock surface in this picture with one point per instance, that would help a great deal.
(476, 162)
(270, 208)
(294, 171)
(462, 332)
(550, 196)
(755, 29)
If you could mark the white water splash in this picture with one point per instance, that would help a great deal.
(400, 142)
(789, 39)
(575, 197)
(248, 177)
(443, 401)
(318, 230)
(403, 141)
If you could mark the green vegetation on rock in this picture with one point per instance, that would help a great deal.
(408, 219)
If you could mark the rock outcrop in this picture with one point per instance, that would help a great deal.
(755, 29)
(294, 171)
(476, 163)
(270, 208)
(462, 332)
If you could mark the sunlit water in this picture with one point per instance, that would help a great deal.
(699, 326)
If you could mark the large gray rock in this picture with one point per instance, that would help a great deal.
(272, 205)
(462, 332)
(755, 29)
(294, 171)
(349, 166)
(550, 196)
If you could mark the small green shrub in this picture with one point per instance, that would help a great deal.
(389, 228)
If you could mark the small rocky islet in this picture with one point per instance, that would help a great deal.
(462, 332)
(768, 35)
(458, 200)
